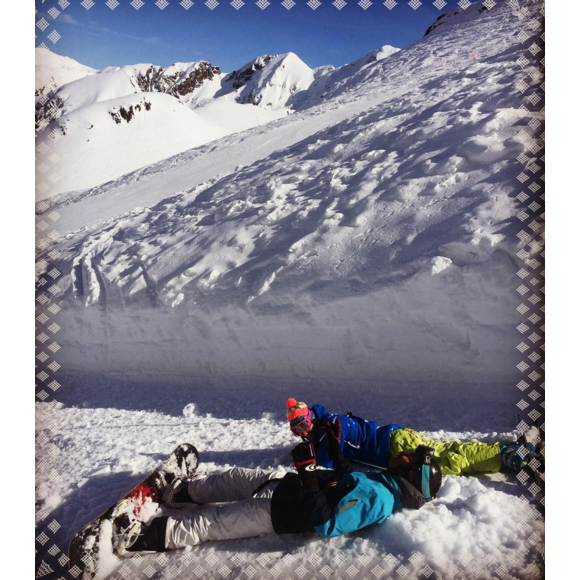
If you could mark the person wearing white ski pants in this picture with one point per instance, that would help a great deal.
(246, 516)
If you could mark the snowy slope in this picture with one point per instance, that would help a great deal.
(455, 17)
(52, 71)
(332, 82)
(370, 236)
(100, 140)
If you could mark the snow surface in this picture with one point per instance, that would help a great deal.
(316, 248)
(52, 71)
(113, 433)
(357, 253)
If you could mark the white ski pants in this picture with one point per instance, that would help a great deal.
(244, 517)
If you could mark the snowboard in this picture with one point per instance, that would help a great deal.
(91, 548)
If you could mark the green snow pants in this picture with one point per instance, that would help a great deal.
(455, 457)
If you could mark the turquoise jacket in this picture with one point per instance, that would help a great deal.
(371, 499)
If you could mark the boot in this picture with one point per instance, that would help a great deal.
(126, 528)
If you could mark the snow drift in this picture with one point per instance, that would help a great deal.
(370, 237)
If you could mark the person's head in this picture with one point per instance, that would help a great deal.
(422, 471)
(299, 416)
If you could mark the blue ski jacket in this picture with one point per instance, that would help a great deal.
(360, 440)
(369, 500)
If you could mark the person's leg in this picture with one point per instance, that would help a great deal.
(241, 519)
(232, 485)
(454, 457)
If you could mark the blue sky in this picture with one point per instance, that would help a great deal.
(229, 38)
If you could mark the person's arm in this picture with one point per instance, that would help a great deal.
(304, 459)
(322, 457)
(333, 433)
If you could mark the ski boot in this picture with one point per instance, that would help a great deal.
(527, 453)
(175, 494)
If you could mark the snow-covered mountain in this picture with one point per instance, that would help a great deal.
(271, 81)
(367, 236)
(331, 82)
(181, 80)
(454, 17)
(94, 151)
(123, 118)
(52, 71)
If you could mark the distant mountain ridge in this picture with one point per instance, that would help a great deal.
(177, 80)
(194, 103)
(269, 81)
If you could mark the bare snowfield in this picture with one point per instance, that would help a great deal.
(371, 236)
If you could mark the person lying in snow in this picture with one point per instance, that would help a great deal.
(328, 502)
(368, 442)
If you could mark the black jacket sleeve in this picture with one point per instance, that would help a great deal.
(295, 509)
(339, 462)
(317, 506)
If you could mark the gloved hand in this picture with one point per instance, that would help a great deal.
(303, 455)
(333, 432)
(304, 458)
(334, 429)
(421, 455)
(401, 460)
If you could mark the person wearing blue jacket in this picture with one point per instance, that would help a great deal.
(369, 442)
(327, 502)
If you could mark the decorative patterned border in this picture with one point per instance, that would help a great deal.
(47, 328)
(531, 256)
(239, 4)
(52, 561)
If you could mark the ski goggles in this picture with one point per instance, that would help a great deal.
(301, 425)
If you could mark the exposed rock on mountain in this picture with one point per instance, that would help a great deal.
(241, 77)
(179, 80)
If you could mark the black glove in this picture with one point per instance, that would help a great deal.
(304, 458)
(333, 432)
